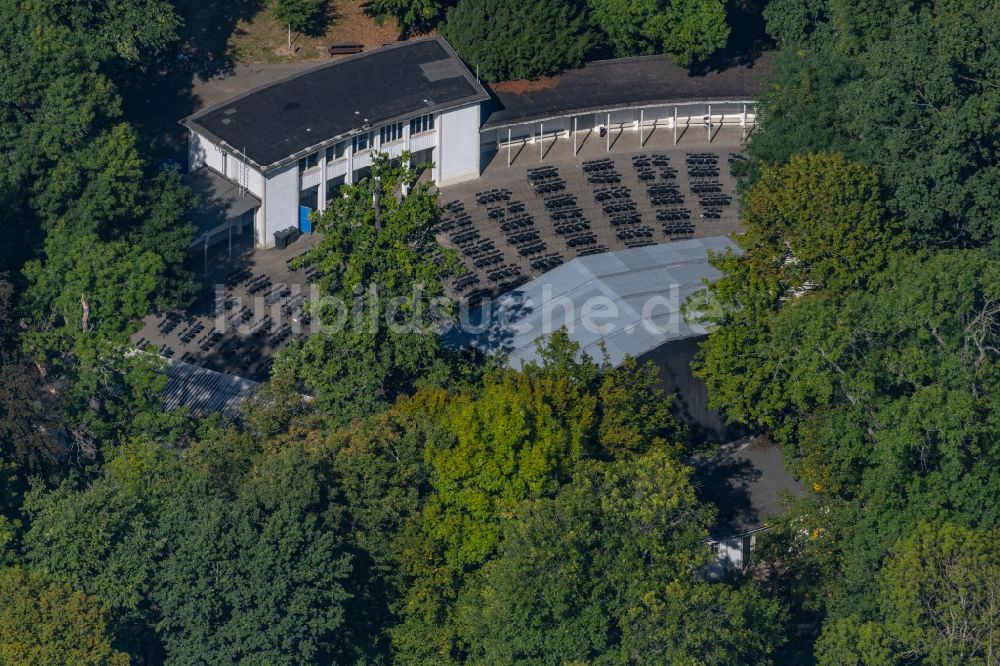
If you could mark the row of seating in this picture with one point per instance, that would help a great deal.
(171, 320)
(562, 201)
(566, 214)
(709, 187)
(547, 262)
(531, 248)
(504, 272)
(550, 186)
(492, 196)
(613, 193)
(540, 173)
(678, 229)
(258, 284)
(715, 200)
(479, 249)
(191, 332)
(582, 239)
(523, 221)
(672, 214)
(695, 173)
(465, 282)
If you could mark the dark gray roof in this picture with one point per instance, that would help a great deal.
(221, 201)
(204, 391)
(629, 279)
(747, 482)
(606, 85)
(279, 122)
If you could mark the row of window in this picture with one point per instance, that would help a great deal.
(366, 140)
(422, 124)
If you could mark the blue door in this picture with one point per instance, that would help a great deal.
(305, 224)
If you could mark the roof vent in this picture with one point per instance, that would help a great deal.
(230, 111)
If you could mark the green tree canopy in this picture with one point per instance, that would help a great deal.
(938, 604)
(572, 567)
(514, 439)
(215, 563)
(813, 229)
(508, 39)
(687, 30)
(905, 86)
(45, 622)
(873, 364)
(96, 238)
(381, 267)
(300, 15)
(411, 15)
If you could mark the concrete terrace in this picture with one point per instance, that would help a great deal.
(249, 306)
(251, 300)
(509, 229)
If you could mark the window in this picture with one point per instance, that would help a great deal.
(391, 133)
(309, 162)
(422, 124)
(364, 141)
(336, 151)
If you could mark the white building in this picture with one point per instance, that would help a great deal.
(292, 143)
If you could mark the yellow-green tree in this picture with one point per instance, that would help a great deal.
(45, 622)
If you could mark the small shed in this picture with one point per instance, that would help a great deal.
(747, 482)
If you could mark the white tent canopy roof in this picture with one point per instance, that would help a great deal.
(630, 301)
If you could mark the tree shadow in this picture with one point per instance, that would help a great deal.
(748, 39)
(726, 483)
(329, 15)
(155, 101)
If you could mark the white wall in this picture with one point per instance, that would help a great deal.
(626, 117)
(255, 182)
(202, 152)
(197, 150)
(731, 556)
(458, 148)
(281, 203)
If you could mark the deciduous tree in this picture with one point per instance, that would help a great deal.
(508, 39)
(687, 30)
(45, 622)
(381, 268)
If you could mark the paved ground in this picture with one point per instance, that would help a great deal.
(509, 228)
(250, 305)
(251, 301)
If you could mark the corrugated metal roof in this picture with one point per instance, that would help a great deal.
(204, 391)
(628, 300)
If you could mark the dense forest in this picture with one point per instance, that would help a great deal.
(432, 507)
